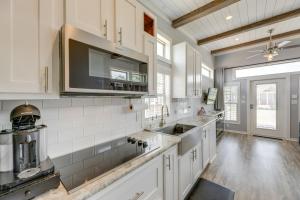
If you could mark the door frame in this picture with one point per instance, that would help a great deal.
(286, 130)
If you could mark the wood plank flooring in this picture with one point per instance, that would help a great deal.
(257, 168)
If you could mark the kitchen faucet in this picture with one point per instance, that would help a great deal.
(163, 121)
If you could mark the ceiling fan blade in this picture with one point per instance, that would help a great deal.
(258, 50)
(253, 56)
(282, 44)
(292, 46)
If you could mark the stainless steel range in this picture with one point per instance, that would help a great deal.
(220, 126)
(84, 165)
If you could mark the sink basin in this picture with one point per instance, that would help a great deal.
(190, 136)
(176, 129)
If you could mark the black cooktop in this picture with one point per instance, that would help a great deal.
(84, 165)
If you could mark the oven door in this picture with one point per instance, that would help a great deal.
(93, 65)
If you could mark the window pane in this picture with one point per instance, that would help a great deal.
(266, 104)
(160, 49)
(267, 70)
(231, 102)
(118, 75)
(205, 72)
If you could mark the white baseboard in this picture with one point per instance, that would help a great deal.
(234, 131)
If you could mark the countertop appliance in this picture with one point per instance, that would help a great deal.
(32, 172)
(92, 65)
(87, 164)
(220, 125)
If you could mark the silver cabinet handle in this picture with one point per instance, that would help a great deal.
(120, 35)
(46, 79)
(195, 154)
(137, 195)
(168, 165)
(105, 29)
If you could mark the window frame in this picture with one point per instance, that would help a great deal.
(238, 103)
(167, 43)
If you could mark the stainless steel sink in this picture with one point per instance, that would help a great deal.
(190, 136)
(176, 129)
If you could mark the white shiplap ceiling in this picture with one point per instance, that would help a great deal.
(243, 12)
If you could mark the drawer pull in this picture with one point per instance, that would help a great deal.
(138, 195)
(46, 79)
(121, 36)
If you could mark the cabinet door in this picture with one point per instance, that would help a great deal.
(94, 16)
(128, 23)
(197, 162)
(198, 79)
(205, 146)
(185, 174)
(171, 175)
(144, 183)
(212, 141)
(190, 71)
(26, 39)
(150, 50)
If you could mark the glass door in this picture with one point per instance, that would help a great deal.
(268, 108)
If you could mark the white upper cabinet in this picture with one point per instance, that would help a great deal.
(93, 16)
(129, 24)
(150, 49)
(186, 71)
(28, 33)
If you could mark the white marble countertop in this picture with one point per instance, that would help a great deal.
(96, 185)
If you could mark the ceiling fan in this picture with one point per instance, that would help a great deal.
(272, 48)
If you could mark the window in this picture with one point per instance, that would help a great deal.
(163, 47)
(207, 72)
(231, 102)
(268, 70)
(163, 96)
(118, 74)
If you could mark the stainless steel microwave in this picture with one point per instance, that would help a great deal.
(92, 65)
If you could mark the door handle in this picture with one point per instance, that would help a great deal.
(251, 106)
(169, 162)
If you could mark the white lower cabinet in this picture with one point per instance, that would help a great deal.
(212, 142)
(171, 174)
(205, 146)
(145, 183)
(190, 168)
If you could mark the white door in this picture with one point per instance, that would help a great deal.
(94, 16)
(205, 146)
(150, 50)
(190, 71)
(198, 77)
(28, 31)
(197, 161)
(128, 24)
(268, 108)
(185, 174)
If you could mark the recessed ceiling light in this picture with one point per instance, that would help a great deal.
(237, 39)
(229, 17)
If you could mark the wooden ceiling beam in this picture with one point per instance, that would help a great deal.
(249, 27)
(207, 9)
(258, 41)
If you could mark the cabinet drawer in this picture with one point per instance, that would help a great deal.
(143, 184)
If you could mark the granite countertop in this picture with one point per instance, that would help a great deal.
(96, 185)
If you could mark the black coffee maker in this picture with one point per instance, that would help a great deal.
(32, 170)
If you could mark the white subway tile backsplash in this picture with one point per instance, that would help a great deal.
(69, 134)
(83, 101)
(77, 123)
(57, 103)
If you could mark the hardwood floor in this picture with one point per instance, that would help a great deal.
(257, 168)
